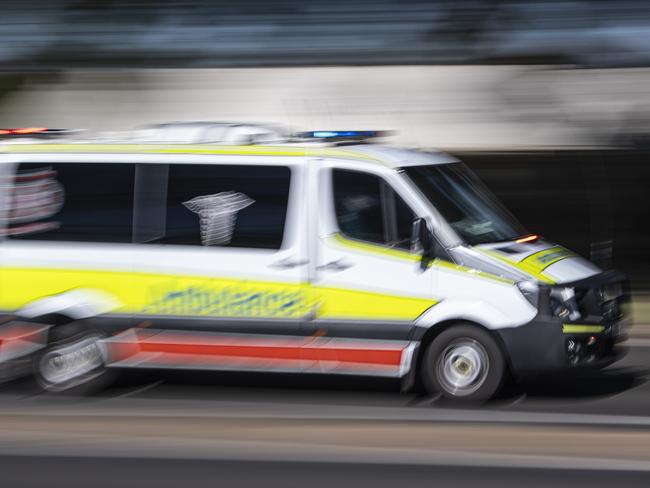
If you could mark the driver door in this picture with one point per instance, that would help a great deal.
(370, 287)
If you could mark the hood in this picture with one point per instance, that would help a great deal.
(541, 260)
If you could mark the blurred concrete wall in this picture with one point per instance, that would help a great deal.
(444, 106)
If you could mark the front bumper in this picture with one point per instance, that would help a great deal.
(547, 345)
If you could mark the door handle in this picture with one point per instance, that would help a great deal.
(288, 263)
(336, 265)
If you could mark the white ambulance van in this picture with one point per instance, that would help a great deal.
(323, 253)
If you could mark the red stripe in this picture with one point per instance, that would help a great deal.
(346, 355)
(222, 350)
(391, 357)
(255, 348)
(22, 336)
(25, 332)
(165, 360)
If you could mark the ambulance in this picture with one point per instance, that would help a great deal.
(246, 249)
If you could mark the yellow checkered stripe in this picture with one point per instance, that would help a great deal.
(535, 263)
(171, 295)
(543, 259)
(365, 247)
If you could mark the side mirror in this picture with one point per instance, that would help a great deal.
(422, 241)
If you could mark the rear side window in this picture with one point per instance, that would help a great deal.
(212, 205)
(368, 209)
(87, 202)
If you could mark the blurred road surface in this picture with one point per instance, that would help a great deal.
(110, 473)
(252, 430)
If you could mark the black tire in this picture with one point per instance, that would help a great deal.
(463, 363)
(72, 342)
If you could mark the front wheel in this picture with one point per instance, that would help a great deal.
(463, 363)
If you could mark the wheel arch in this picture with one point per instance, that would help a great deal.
(425, 336)
(76, 304)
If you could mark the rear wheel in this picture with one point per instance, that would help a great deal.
(72, 361)
(463, 363)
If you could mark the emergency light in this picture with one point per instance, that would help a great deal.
(33, 132)
(22, 131)
(343, 134)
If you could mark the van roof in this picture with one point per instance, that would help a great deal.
(384, 155)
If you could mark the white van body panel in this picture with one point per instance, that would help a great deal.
(477, 311)
(76, 304)
(571, 269)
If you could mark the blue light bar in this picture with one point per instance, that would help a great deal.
(342, 134)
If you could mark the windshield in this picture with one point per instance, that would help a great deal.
(465, 203)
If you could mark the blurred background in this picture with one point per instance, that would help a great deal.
(548, 101)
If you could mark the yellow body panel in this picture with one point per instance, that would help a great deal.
(338, 303)
(160, 294)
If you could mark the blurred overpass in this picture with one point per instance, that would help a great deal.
(61, 33)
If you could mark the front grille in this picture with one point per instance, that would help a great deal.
(602, 302)
(611, 310)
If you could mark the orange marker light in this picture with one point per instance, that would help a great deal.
(530, 238)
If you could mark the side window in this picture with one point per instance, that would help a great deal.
(357, 202)
(368, 209)
(83, 202)
(212, 205)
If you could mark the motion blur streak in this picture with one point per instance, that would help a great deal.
(121, 247)
(18, 339)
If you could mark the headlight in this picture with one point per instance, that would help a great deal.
(530, 291)
(564, 304)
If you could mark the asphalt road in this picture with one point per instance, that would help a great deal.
(168, 429)
(111, 473)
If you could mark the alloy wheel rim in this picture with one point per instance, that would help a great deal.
(462, 367)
